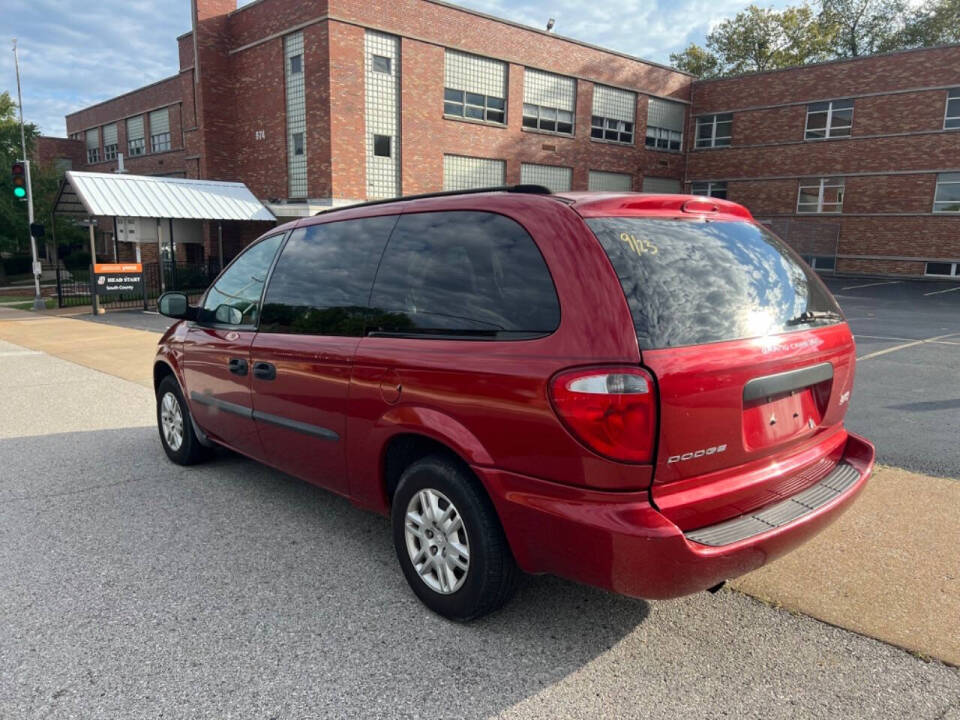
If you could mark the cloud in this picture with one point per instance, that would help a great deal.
(75, 54)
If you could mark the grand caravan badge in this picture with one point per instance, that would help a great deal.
(697, 454)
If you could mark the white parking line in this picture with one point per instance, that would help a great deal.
(895, 348)
(18, 353)
(937, 292)
(854, 287)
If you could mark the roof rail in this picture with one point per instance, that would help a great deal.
(523, 189)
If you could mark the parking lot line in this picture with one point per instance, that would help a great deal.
(937, 292)
(889, 282)
(904, 346)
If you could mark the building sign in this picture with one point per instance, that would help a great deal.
(118, 278)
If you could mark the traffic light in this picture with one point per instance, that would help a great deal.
(19, 180)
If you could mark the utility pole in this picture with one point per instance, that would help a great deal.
(38, 303)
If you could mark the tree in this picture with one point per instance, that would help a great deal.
(696, 61)
(14, 230)
(937, 22)
(862, 27)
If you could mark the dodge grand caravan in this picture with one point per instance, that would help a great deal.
(645, 393)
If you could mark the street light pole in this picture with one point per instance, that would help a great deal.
(38, 303)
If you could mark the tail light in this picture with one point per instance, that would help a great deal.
(613, 411)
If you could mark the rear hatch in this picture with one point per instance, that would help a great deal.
(752, 359)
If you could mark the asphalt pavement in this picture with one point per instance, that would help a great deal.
(133, 588)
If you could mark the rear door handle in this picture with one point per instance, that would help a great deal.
(264, 371)
(238, 366)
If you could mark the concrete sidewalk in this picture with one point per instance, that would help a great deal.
(889, 568)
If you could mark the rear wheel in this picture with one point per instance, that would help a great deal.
(449, 541)
(179, 441)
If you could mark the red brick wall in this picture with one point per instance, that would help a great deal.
(47, 150)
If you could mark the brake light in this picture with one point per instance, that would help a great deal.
(613, 411)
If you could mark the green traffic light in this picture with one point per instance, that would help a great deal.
(20, 192)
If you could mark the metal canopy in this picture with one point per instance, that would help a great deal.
(86, 193)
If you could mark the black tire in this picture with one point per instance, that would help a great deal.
(491, 574)
(190, 450)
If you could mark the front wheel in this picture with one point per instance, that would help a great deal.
(179, 441)
(449, 541)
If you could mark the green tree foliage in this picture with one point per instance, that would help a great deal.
(862, 27)
(937, 22)
(697, 61)
(13, 212)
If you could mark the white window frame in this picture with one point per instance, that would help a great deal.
(711, 186)
(954, 269)
(952, 122)
(946, 179)
(828, 128)
(822, 184)
(713, 121)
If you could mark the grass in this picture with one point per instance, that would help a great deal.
(22, 302)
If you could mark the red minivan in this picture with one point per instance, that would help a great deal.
(640, 392)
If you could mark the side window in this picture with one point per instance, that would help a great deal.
(464, 273)
(235, 298)
(321, 284)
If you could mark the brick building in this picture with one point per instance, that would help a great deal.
(318, 104)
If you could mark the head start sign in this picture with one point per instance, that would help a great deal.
(118, 278)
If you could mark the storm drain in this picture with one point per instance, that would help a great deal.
(840, 479)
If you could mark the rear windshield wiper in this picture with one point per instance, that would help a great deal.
(809, 316)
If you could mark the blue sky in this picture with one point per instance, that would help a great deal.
(75, 53)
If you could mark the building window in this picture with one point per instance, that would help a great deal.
(468, 173)
(829, 119)
(665, 125)
(110, 147)
(609, 181)
(821, 262)
(952, 119)
(824, 195)
(160, 130)
(710, 188)
(942, 269)
(475, 88)
(613, 114)
(947, 199)
(381, 64)
(661, 185)
(552, 177)
(714, 130)
(93, 146)
(296, 107)
(381, 145)
(549, 102)
(135, 140)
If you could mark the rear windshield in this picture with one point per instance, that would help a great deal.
(692, 282)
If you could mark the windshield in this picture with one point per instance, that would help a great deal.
(690, 282)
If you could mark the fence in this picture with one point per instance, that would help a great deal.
(74, 288)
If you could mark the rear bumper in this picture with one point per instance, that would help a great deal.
(620, 542)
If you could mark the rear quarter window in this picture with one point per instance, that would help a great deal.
(690, 282)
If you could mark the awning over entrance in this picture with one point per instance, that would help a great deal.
(105, 194)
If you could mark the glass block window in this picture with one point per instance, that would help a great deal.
(661, 185)
(474, 87)
(382, 114)
(710, 188)
(829, 119)
(609, 181)
(296, 115)
(613, 114)
(93, 145)
(160, 130)
(110, 148)
(549, 101)
(822, 195)
(135, 140)
(466, 173)
(556, 179)
(947, 198)
(714, 130)
(952, 118)
(664, 125)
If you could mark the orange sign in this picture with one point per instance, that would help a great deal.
(105, 268)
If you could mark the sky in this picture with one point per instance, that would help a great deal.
(74, 53)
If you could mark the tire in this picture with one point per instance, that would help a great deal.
(170, 402)
(476, 585)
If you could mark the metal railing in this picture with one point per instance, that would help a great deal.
(74, 287)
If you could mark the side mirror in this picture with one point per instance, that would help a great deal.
(176, 305)
(228, 315)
